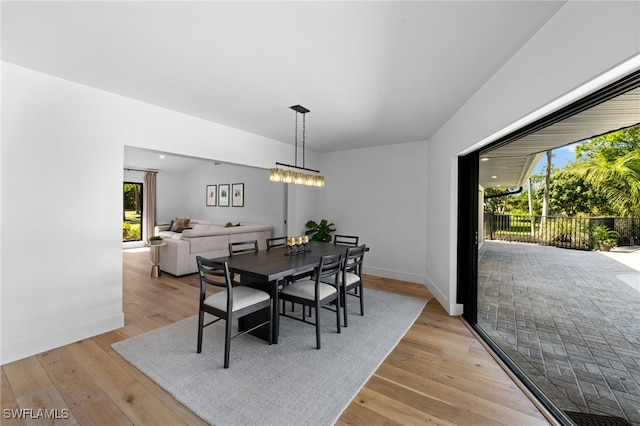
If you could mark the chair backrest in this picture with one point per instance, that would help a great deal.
(276, 242)
(211, 271)
(242, 247)
(347, 240)
(329, 266)
(353, 260)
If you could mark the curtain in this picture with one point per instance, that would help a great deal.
(149, 204)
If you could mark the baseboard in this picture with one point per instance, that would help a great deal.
(453, 309)
(23, 349)
(394, 274)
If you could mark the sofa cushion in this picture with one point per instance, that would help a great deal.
(204, 231)
(194, 222)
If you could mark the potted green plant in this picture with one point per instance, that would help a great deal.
(319, 231)
(604, 237)
(155, 240)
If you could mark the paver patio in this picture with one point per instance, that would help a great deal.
(570, 319)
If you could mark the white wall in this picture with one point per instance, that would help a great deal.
(62, 170)
(170, 195)
(302, 206)
(379, 194)
(579, 43)
(61, 214)
(263, 200)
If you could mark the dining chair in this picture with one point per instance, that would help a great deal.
(347, 240)
(281, 242)
(242, 247)
(319, 291)
(276, 242)
(350, 279)
(228, 304)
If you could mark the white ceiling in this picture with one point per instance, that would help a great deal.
(372, 73)
(145, 159)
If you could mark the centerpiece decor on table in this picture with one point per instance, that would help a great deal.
(297, 245)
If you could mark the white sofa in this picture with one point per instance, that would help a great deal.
(204, 238)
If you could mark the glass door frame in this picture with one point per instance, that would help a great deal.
(468, 228)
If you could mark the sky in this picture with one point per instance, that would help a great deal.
(559, 157)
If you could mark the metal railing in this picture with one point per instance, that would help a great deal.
(559, 231)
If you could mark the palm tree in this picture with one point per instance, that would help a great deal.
(618, 181)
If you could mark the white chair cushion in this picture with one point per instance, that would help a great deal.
(242, 297)
(351, 278)
(305, 289)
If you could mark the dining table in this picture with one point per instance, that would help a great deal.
(267, 270)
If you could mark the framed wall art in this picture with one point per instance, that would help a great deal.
(223, 195)
(212, 195)
(237, 191)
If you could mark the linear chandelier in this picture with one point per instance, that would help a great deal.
(287, 173)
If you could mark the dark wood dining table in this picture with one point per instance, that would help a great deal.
(266, 269)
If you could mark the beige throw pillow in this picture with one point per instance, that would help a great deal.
(180, 224)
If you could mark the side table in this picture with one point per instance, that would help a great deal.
(154, 251)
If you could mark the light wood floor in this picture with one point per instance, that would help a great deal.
(439, 373)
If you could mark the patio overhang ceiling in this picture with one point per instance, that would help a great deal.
(511, 165)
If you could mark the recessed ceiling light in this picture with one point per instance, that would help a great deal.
(484, 159)
(494, 177)
(162, 156)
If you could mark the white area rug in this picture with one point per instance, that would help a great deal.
(290, 383)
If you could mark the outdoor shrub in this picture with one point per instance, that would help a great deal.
(130, 232)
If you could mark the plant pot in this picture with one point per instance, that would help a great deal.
(605, 247)
(155, 242)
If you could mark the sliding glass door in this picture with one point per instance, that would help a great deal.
(523, 298)
(132, 212)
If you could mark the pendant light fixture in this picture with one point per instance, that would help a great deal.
(287, 173)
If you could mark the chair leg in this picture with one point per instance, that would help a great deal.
(317, 325)
(200, 327)
(361, 292)
(344, 305)
(271, 322)
(338, 312)
(227, 340)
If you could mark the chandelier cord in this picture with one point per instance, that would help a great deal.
(295, 161)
